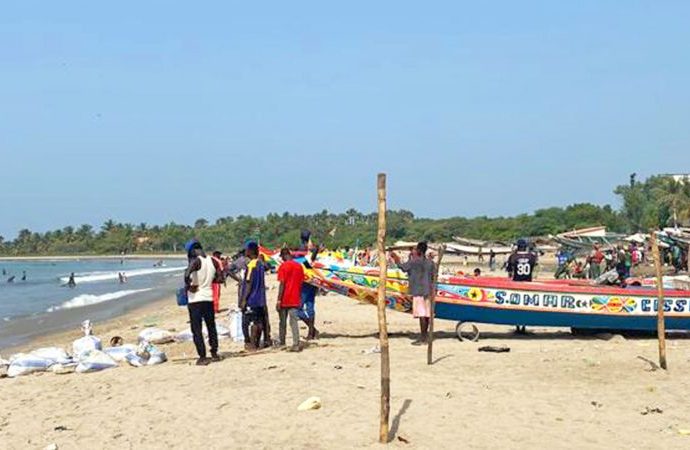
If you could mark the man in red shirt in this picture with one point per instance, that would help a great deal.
(291, 277)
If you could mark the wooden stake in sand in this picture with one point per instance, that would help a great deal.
(661, 325)
(430, 348)
(383, 327)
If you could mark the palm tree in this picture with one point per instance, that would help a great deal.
(109, 225)
(675, 196)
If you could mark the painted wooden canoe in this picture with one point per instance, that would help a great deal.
(502, 301)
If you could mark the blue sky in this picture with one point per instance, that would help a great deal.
(150, 111)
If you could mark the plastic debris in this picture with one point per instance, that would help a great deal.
(372, 350)
(311, 403)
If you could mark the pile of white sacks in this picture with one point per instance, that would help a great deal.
(88, 355)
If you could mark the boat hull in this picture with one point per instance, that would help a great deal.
(473, 313)
(501, 301)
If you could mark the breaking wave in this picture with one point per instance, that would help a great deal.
(93, 277)
(90, 299)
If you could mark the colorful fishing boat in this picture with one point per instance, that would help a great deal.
(502, 301)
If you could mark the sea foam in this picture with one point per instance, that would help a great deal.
(92, 277)
(89, 299)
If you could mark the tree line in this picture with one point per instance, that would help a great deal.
(657, 202)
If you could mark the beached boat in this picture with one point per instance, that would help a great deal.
(494, 300)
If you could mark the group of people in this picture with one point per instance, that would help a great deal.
(14, 277)
(295, 300)
(420, 270)
(622, 259)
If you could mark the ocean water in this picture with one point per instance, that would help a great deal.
(43, 302)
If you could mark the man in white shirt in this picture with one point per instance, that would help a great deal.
(198, 279)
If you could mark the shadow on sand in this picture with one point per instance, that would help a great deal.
(396, 420)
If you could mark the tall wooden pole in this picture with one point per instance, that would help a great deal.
(430, 348)
(661, 326)
(383, 327)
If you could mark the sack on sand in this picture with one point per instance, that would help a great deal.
(84, 345)
(184, 336)
(146, 355)
(187, 336)
(24, 364)
(54, 354)
(236, 326)
(155, 336)
(63, 369)
(119, 354)
(95, 360)
(4, 362)
(223, 332)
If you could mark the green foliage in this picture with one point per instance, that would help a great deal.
(653, 203)
(645, 205)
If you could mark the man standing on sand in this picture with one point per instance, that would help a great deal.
(291, 278)
(521, 266)
(253, 300)
(420, 271)
(198, 279)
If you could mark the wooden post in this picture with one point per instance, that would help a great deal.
(661, 326)
(430, 348)
(383, 327)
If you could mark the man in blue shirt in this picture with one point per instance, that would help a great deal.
(253, 300)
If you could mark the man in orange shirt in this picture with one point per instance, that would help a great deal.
(291, 277)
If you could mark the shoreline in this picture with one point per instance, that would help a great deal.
(92, 257)
(67, 333)
(24, 332)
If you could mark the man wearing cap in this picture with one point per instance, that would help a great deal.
(253, 299)
(520, 267)
(521, 263)
(198, 279)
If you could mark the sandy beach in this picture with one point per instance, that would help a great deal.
(551, 390)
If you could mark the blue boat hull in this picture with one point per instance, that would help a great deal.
(471, 313)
